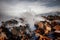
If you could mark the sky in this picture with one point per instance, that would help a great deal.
(16, 8)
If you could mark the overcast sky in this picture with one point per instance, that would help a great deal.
(38, 6)
(17, 7)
